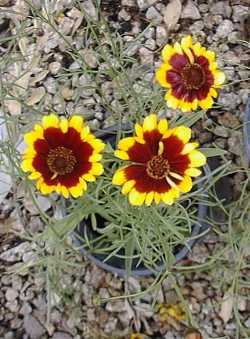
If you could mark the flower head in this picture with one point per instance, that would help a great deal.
(190, 72)
(175, 311)
(62, 155)
(136, 336)
(162, 162)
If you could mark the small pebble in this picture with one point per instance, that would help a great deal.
(11, 294)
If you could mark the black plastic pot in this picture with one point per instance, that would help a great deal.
(246, 130)
(115, 264)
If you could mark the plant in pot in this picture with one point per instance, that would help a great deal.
(144, 233)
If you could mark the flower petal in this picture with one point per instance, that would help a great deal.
(125, 143)
(206, 103)
(150, 123)
(189, 147)
(76, 191)
(30, 138)
(149, 198)
(64, 125)
(35, 175)
(163, 126)
(219, 78)
(167, 198)
(197, 159)
(65, 192)
(161, 75)
(139, 131)
(76, 122)
(183, 133)
(157, 198)
(50, 121)
(186, 42)
(172, 101)
(96, 169)
(88, 177)
(119, 177)
(193, 172)
(46, 189)
(167, 52)
(85, 132)
(121, 155)
(127, 187)
(177, 47)
(185, 185)
(95, 157)
(136, 198)
(97, 144)
(27, 166)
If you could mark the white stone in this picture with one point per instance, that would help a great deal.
(90, 9)
(221, 8)
(144, 4)
(89, 57)
(239, 12)
(146, 56)
(190, 11)
(154, 15)
(172, 14)
(54, 67)
(11, 294)
(33, 327)
(123, 14)
(161, 35)
(224, 29)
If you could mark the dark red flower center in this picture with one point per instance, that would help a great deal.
(61, 160)
(158, 167)
(193, 76)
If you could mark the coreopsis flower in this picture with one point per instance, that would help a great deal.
(161, 162)
(175, 311)
(136, 336)
(62, 155)
(190, 73)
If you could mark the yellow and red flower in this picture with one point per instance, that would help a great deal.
(190, 72)
(162, 162)
(136, 336)
(62, 155)
(170, 310)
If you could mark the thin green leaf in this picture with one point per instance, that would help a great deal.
(213, 152)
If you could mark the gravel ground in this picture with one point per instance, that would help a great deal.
(76, 311)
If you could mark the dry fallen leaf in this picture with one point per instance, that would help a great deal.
(20, 10)
(5, 178)
(172, 14)
(22, 83)
(77, 16)
(39, 77)
(36, 95)
(193, 334)
(5, 184)
(13, 106)
(23, 45)
(226, 308)
(19, 88)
